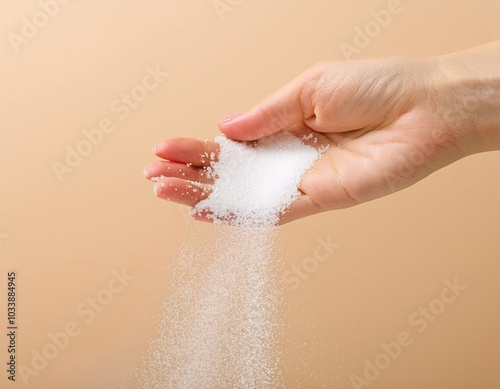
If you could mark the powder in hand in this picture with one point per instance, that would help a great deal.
(254, 183)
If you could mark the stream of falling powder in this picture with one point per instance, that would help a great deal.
(221, 324)
(220, 328)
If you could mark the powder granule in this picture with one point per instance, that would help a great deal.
(254, 183)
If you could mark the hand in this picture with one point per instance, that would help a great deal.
(389, 123)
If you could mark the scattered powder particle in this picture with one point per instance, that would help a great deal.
(209, 172)
(156, 179)
(197, 184)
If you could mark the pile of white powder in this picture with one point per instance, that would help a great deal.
(221, 324)
(256, 182)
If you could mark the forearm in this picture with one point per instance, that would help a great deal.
(475, 79)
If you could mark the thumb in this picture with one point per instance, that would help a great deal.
(277, 112)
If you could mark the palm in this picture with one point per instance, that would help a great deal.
(364, 165)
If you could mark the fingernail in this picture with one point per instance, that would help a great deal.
(229, 118)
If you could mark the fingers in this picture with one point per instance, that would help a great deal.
(181, 191)
(286, 107)
(188, 151)
(181, 178)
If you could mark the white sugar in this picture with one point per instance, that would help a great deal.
(221, 324)
(256, 183)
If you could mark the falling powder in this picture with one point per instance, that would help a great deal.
(221, 324)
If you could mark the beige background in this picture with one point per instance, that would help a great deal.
(64, 239)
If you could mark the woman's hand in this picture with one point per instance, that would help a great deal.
(389, 123)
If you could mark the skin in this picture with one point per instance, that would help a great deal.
(388, 123)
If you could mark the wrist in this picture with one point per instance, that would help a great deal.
(471, 81)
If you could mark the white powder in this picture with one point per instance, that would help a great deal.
(221, 324)
(156, 179)
(255, 183)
